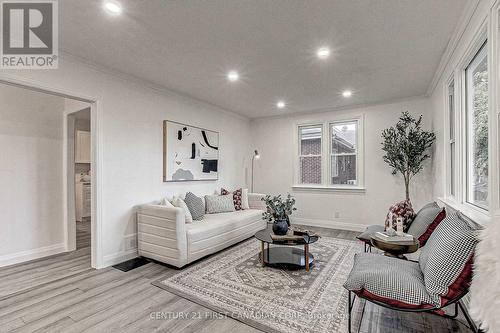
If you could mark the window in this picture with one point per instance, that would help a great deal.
(452, 144)
(330, 155)
(310, 156)
(343, 153)
(476, 77)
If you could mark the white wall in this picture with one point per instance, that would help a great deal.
(31, 132)
(131, 116)
(274, 138)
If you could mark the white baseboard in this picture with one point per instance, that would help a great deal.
(332, 224)
(23, 256)
(118, 257)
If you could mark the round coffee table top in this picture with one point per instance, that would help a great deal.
(265, 236)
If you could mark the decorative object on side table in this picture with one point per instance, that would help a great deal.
(278, 212)
(395, 245)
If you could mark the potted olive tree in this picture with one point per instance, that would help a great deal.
(406, 147)
(278, 212)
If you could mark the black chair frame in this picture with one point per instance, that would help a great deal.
(456, 301)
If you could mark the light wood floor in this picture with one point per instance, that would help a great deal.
(63, 294)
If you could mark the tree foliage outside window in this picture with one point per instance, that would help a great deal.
(406, 147)
(477, 130)
(480, 123)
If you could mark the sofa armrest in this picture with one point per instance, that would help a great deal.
(162, 234)
(169, 213)
(255, 201)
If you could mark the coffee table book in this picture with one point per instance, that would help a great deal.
(405, 239)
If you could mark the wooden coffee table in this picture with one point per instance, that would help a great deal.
(285, 254)
(395, 249)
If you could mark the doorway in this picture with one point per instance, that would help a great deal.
(79, 175)
(61, 182)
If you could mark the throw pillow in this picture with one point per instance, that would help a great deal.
(402, 209)
(195, 205)
(219, 203)
(426, 221)
(166, 202)
(178, 202)
(446, 261)
(244, 199)
(236, 197)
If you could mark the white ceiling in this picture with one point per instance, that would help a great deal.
(382, 49)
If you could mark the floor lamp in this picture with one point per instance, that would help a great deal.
(255, 156)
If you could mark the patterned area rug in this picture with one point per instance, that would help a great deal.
(234, 283)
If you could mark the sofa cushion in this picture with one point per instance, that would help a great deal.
(401, 209)
(218, 224)
(366, 236)
(219, 203)
(393, 281)
(446, 260)
(237, 197)
(195, 205)
(426, 221)
(244, 199)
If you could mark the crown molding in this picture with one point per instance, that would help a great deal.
(463, 23)
(342, 108)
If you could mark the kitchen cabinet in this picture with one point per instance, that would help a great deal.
(82, 147)
(83, 200)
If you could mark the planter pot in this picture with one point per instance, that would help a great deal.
(280, 227)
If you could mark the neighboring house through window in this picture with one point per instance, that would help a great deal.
(343, 161)
(310, 154)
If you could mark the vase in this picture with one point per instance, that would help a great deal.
(280, 227)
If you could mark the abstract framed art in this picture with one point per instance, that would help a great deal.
(189, 153)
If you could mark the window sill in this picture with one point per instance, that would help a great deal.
(339, 189)
(474, 213)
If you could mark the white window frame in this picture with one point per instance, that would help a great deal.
(468, 126)
(326, 185)
(459, 201)
(331, 154)
(455, 140)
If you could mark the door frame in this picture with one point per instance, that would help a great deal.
(96, 162)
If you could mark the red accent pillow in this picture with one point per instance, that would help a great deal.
(423, 238)
(461, 284)
(363, 293)
(236, 197)
(402, 209)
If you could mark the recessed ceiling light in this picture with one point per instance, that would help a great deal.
(113, 8)
(233, 76)
(347, 93)
(280, 104)
(323, 52)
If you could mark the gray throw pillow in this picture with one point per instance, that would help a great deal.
(426, 221)
(219, 203)
(195, 205)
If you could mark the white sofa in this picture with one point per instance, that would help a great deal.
(163, 234)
